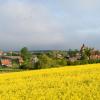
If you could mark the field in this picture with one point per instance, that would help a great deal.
(65, 83)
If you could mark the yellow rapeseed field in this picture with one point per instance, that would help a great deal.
(66, 83)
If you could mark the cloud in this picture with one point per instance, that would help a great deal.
(89, 4)
(54, 24)
(28, 24)
(80, 5)
(35, 18)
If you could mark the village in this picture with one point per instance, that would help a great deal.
(6, 59)
(89, 53)
(12, 58)
(15, 59)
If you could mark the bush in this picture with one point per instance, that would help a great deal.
(27, 65)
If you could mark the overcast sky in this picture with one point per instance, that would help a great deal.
(49, 24)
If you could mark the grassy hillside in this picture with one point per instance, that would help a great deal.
(67, 83)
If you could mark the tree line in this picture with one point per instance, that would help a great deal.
(55, 58)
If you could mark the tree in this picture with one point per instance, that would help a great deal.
(44, 61)
(72, 53)
(26, 55)
(88, 52)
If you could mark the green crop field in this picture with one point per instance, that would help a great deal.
(65, 83)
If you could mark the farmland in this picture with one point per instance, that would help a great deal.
(65, 83)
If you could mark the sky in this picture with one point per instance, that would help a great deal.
(49, 24)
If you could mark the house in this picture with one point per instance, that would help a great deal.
(59, 56)
(93, 57)
(20, 61)
(18, 58)
(73, 59)
(95, 54)
(78, 56)
(6, 62)
(34, 59)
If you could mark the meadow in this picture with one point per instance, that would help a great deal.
(65, 83)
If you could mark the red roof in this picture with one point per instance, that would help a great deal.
(6, 62)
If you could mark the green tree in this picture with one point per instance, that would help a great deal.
(88, 52)
(45, 61)
(27, 56)
(72, 53)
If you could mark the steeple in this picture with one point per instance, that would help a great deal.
(82, 48)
